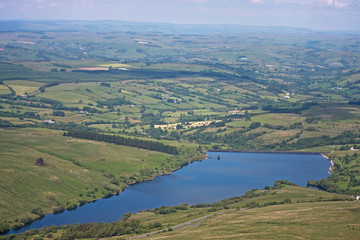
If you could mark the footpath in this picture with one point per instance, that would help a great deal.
(194, 222)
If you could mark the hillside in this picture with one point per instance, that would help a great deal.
(308, 220)
(74, 171)
(75, 96)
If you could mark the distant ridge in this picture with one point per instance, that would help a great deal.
(124, 26)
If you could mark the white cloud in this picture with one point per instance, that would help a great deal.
(338, 3)
(198, 1)
(187, 1)
(311, 3)
(257, 1)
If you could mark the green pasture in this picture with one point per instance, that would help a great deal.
(283, 119)
(228, 130)
(23, 90)
(4, 89)
(324, 149)
(105, 127)
(143, 99)
(24, 83)
(23, 87)
(310, 134)
(68, 98)
(39, 66)
(333, 112)
(17, 121)
(127, 109)
(277, 136)
(109, 116)
(115, 65)
(69, 117)
(179, 67)
(238, 124)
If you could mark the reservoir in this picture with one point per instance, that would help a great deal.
(206, 181)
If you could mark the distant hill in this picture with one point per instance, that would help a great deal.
(123, 26)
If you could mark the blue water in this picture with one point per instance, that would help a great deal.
(207, 181)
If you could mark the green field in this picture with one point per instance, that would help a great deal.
(267, 91)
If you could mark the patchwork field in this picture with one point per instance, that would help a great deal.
(267, 91)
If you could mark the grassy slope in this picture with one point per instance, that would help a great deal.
(328, 220)
(25, 186)
(309, 216)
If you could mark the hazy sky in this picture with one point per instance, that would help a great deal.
(314, 14)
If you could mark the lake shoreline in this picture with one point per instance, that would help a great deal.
(104, 197)
(172, 171)
(331, 161)
(276, 152)
(261, 151)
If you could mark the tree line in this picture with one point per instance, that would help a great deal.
(131, 142)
